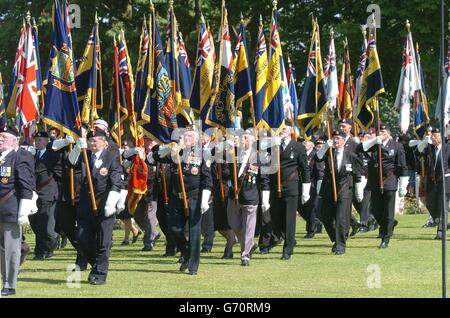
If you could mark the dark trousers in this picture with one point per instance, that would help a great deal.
(284, 217)
(142, 219)
(308, 213)
(208, 229)
(190, 249)
(434, 204)
(383, 208)
(162, 215)
(94, 235)
(363, 208)
(43, 225)
(66, 219)
(336, 219)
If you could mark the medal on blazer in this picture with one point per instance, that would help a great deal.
(292, 155)
(103, 172)
(5, 172)
(4, 180)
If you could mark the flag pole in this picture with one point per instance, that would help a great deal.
(116, 88)
(164, 185)
(377, 107)
(444, 210)
(183, 189)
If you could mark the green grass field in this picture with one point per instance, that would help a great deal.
(411, 267)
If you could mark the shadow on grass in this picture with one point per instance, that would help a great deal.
(43, 280)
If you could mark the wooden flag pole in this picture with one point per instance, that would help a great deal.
(72, 181)
(164, 185)
(90, 184)
(183, 189)
(332, 167)
(380, 153)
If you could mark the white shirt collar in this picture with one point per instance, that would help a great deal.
(98, 154)
(309, 151)
(286, 141)
(41, 152)
(386, 142)
(5, 153)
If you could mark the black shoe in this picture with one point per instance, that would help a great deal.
(169, 254)
(125, 243)
(355, 229)
(181, 259)
(39, 257)
(147, 248)
(91, 277)
(339, 253)
(285, 257)
(205, 250)
(228, 253)
(333, 249)
(184, 266)
(135, 237)
(438, 236)
(384, 245)
(8, 292)
(245, 262)
(264, 251)
(309, 235)
(395, 224)
(48, 255)
(97, 281)
(364, 229)
(193, 273)
(318, 229)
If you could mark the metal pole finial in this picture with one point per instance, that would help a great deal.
(408, 26)
(242, 18)
(171, 4)
(332, 33)
(275, 4)
(28, 18)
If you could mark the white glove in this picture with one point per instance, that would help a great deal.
(403, 184)
(62, 143)
(120, 206)
(276, 141)
(74, 154)
(319, 186)
(32, 150)
(127, 164)
(422, 145)
(34, 208)
(265, 201)
(364, 182)
(150, 158)
(25, 208)
(306, 187)
(356, 139)
(163, 151)
(205, 201)
(82, 143)
(132, 152)
(370, 143)
(413, 143)
(359, 191)
(321, 153)
(111, 202)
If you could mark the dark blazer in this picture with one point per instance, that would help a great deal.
(433, 168)
(250, 182)
(17, 182)
(64, 194)
(349, 173)
(105, 178)
(351, 145)
(48, 172)
(394, 166)
(294, 169)
(196, 173)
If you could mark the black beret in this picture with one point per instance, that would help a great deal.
(10, 130)
(340, 133)
(384, 127)
(435, 131)
(96, 133)
(347, 121)
(42, 134)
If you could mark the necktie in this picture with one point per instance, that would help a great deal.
(93, 160)
(38, 155)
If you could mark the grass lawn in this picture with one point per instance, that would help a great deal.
(411, 267)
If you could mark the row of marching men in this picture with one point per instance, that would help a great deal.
(305, 178)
